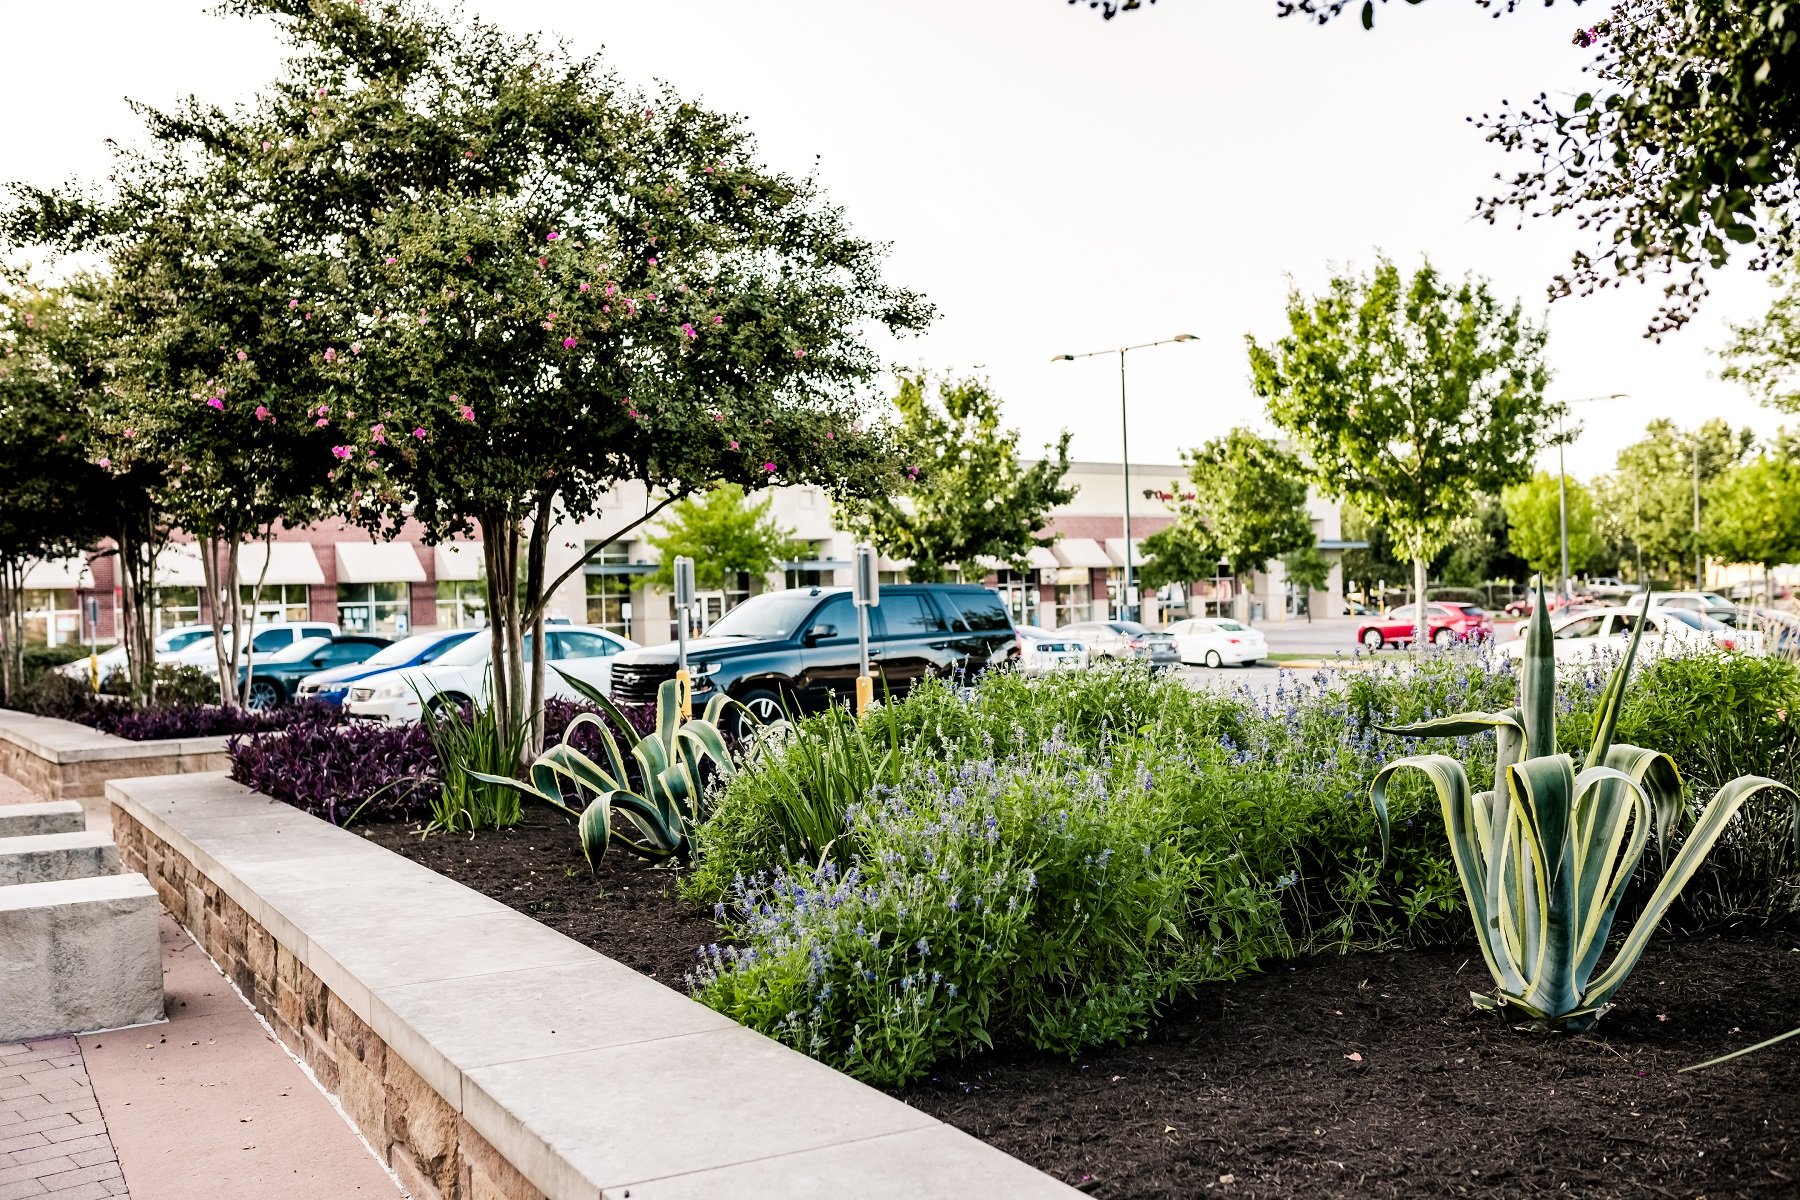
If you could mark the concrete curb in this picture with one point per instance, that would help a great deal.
(478, 1049)
(65, 760)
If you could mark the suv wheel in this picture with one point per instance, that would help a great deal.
(264, 695)
(764, 704)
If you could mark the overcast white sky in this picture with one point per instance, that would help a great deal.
(1053, 182)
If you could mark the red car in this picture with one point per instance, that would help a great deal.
(1445, 623)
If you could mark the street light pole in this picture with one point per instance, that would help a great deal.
(1562, 489)
(1699, 553)
(1127, 610)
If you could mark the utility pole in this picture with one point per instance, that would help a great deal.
(1699, 553)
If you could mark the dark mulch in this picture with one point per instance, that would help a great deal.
(1371, 1075)
(628, 911)
(1360, 1076)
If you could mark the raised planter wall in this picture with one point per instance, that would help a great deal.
(65, 760)
(488, 1057)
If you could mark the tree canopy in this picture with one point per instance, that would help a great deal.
(1534, 524)
(1410, 397)
(964, 493)
(1246, 506)
(1656, 478)
(1753, 510)
(725, 533)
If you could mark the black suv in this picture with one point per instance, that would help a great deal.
(793, 651)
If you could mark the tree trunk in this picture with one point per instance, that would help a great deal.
(12, 630)
(536, 555)
(499, 552)
(226, 608)
(256, 592)
(138, 551)
(1422, 624)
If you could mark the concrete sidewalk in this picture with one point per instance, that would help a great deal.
(209, 1107)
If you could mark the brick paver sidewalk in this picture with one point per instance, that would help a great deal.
(53, 1142)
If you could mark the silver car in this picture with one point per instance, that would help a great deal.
(1125, 639)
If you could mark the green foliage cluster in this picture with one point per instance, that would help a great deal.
(725, 533)
(963, 494)
(1051, 863)
(1245, 505)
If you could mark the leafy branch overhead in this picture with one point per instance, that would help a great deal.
(964, 494)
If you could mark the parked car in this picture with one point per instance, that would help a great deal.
(164, 646)
(264, 641)
(463, 675)
(1217, 641)
(333, 686)
(1125, 639)
(1042, 651)
(276, 678)
(1521, 606)
(1356, 608)
(1446, 624)
(795, 651)
(1608, 587)
(1707, 604)
(1585, 635)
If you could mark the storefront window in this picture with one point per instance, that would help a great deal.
(278, 602)
(609, 589)
(51, 617)
(173, 607)
(378, 608)
(1020, 591)
(461, 603)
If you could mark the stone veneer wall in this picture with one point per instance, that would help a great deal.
(86, 779)
(434, 1150)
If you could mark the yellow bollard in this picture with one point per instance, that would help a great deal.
(865, 694)
(685, 685)
(94, 672)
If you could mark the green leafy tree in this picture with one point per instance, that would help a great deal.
(529, 284)
(965, 494)
(1378, 563)
(1410, 397)
(1657, 477)
(1482, 551)
(1180, 552)
(1307, 570)
(1753, 511)
(725, 533)
(1534, 523)
(49, 488)
(1249, 497)
(1764, 355)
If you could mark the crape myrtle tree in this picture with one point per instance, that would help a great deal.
(49, 489)
(545, 284)
(726, 534)
(965, 495)
(1410, 397)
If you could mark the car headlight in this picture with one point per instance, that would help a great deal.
(392, 691)
(703, 670)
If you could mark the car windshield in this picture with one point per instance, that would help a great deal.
(1128, 628)
(1714, 600)
(296, 651)
(407, 649)
(772, 615)
(183, 639)
(1231, 626)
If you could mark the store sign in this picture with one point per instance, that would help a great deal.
(1072, 577)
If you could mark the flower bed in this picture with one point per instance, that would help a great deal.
(1021, 890)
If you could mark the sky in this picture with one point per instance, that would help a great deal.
(1053, 182)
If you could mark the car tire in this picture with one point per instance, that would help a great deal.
(766, 704)
(445, 703)
(1213, 660)
(1372, 639)
(265, 694)
(1443, 638)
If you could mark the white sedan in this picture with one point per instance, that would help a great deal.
(1042, 651)
(166, 645)
(1217, 641)
(463, 676)
(1593, 632)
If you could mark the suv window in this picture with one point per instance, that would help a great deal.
(580, 645)
(347, 652)
(839, 613)
(981, 611)
(909, 614)
(272, 639)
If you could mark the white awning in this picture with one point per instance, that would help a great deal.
(459, 561)
(378, 562)
(59, 574)
(179, 566)
(289, 562)
(1040, 558)
(1081, 552)
(885, 563)
(1115, 550)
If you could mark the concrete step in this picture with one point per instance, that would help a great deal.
(35, 820)
(51, 856)
(78, 955)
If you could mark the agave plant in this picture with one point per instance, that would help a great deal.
(661, 812)
(1545, 856)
